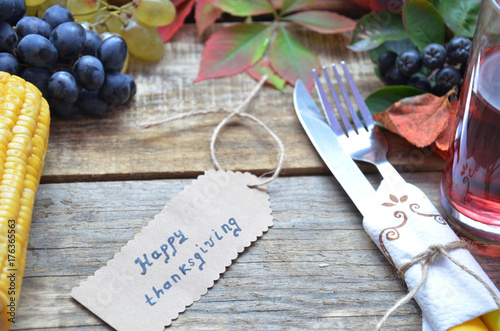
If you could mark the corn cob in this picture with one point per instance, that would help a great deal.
(24, 132)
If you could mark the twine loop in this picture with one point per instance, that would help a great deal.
(426, 258)
(238, 112)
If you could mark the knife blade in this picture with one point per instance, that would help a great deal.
(324, 140)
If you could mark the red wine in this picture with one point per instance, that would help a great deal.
(471, 181)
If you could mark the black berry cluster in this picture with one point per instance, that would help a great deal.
(75, 69)
(446, 65)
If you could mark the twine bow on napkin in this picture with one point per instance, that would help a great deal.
(442, 276)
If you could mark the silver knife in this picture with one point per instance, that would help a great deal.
(324, 140)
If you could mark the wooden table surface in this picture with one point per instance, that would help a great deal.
(104, 179)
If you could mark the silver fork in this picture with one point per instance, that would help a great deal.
(363, 141)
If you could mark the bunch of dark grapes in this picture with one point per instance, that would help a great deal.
(75, 69)
(446, 65)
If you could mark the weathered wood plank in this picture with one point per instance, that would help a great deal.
(115, 147)
(314, 269)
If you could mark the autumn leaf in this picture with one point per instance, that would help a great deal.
(292, 60)
(183, 7)
(322, 21)
(234, 49)
(244, 7)
(205, 15)
(262, 68)
(294, 5)
(419, 119)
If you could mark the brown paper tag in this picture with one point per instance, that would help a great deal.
(175, 259)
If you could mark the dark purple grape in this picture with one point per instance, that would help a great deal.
(92, 42)
(62, 109)
(32, 25)
(63, 87)
(116, 89)
(133, 87)
(7, 9)
(112, 52)
(37, 51)
(56, 15)
(89, 72)
(68, 39)
(8, 38)
(90, 103)
(9, 63)
(19, 11)
(38, 77)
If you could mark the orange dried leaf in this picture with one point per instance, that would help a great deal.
(419, 119)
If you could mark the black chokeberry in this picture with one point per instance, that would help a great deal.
(386, 61)
(448, 77)
(434, 56)
(458, 50)
(395, 77)
(409, 62)
(420, 82)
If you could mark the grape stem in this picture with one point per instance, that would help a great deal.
(114, 11)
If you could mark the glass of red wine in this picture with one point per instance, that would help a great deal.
(470, 188)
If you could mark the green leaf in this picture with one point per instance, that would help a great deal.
(292, 60)
(244, 7)
(424, 23)
(385, 97)
(460, 16)
(294, 5)
(376, 28)
(322, 21)
(233, 50)
(262, 68)
(397, 47)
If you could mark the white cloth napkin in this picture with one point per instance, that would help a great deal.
(405, 223)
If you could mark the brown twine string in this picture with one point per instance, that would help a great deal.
(238, 112)
(426, 258)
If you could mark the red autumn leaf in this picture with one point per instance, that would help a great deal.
(262, 68)
(293, 60)
(394, 6)
(183, 8)
(419, 119)
(205, 15)
(234, 49)
(322, 21)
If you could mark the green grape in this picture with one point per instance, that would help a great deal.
(154, 12)
(31, 10)
(49, 3)
(114, 24)
(82, 10)
(143, 42)
(32, 3)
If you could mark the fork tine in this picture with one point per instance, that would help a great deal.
(365, 112)
(334, 123)
(354, 116)
(343, 116)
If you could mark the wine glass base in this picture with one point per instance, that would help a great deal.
(475, 230)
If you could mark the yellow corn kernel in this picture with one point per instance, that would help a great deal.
(24, 132)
